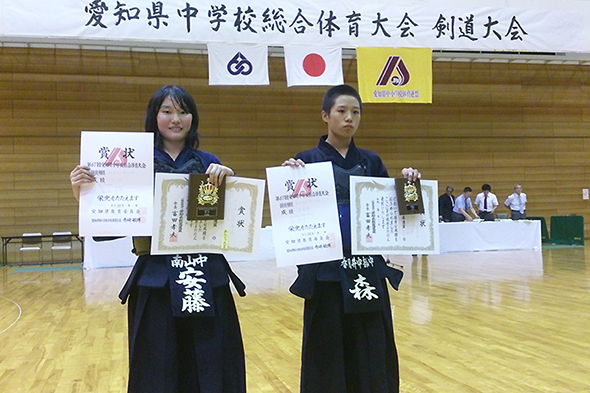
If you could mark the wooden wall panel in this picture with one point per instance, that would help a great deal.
(496, 123)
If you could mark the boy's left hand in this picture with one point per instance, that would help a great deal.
(411, 174)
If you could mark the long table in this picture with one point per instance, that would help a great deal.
(42, 242)
(454, 236)
(490, 235)
(110, 253)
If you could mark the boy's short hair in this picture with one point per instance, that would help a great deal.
(486, 187)
(341, 90)
(467, 189)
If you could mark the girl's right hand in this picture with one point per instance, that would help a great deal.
(294, 163)
(80, 175)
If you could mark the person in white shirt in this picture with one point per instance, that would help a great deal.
(486, 203)
(517, 203)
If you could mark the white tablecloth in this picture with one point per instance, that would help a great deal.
(490, 235)
(117, 253)
(110, 253)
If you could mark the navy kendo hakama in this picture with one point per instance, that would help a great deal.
(348, 341)
(173, 354)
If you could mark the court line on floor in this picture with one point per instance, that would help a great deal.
(20, 312)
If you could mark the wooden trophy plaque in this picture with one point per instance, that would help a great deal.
(409, 196)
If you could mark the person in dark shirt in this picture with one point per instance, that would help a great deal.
(348, 343)
(446, 202)
(173, 348)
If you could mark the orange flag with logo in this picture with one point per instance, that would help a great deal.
(395, 74)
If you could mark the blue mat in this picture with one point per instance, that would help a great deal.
(562, 246)
(45, 269)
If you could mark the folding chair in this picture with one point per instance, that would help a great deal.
(31, 242)
(61, 241)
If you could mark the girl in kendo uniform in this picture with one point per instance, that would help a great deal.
(184, 334)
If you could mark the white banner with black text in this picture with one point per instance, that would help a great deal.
(453, 25)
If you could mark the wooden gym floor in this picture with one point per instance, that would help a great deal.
(514, 321)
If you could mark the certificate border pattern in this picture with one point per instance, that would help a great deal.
(372, 185)
(168, 183)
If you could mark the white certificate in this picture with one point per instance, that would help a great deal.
(238, 233)
(378, 228)
(304, 214)
(120, 202)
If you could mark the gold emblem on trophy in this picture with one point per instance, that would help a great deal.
(205, 201)
(207, 194)
(410, 192)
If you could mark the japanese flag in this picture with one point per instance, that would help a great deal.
(238, 64)
(312, 66)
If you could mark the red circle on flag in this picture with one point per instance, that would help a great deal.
(314, 65)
